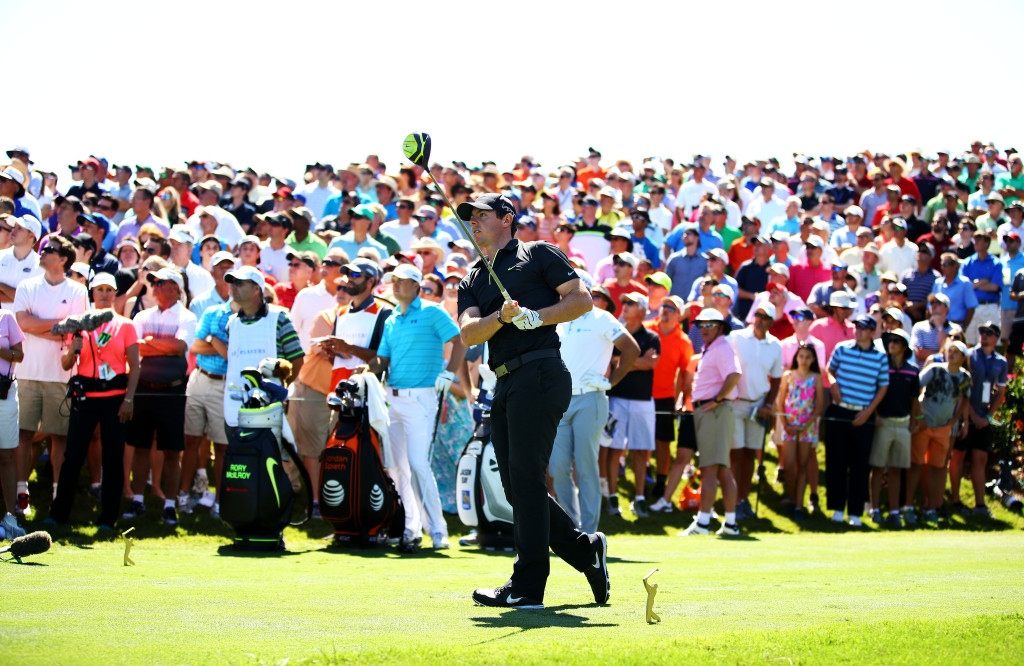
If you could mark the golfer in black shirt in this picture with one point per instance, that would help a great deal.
(532, 392)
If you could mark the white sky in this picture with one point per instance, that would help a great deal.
(278, 85)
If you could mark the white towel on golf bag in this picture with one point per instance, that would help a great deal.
(373, 392)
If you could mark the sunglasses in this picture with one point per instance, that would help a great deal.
(638, 217)
(298, 264)
(103, 207)
(48, 249)
(425, 253)
(617, 263)
(275, 223)
(987, 332)
(861, 327)
(763, 315)
(331, 262)
(149, 250)
(428, 290)
(424, 217)
(707, 324)
(801, 317)
(352, 274)
(666, 306)
(950, 263)
(721, 294)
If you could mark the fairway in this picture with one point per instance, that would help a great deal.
(859, 597)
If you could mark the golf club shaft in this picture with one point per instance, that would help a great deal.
(469, 234)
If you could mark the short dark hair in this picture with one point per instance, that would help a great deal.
(165, 246)
(65, 248)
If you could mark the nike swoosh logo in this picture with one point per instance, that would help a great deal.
(273, 481)
(514, 600)
(244, 433)
(597, 561)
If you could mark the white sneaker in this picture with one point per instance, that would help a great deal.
(11, 527)
(728, 530)
(855, 521)
(215, 511)
(695, 528)
(208, 498)
(837, 516)
(440, 541)
(661, 506)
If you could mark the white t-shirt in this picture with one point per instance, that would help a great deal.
(200, 281)
(39, 298)
(761, 360)
(309, 302)
(316, 198)
(587, 344)
(692, 192)
(401, 233)
(14, 272)
(274, 261)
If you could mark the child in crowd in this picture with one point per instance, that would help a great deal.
(802, 401)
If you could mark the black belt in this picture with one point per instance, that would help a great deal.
(519, 361)
(698, 403)
(157, 387)
(210, 374)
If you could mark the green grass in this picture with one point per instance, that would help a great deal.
(811, 593)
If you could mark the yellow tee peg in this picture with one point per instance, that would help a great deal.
(652, 590)
(128, 541)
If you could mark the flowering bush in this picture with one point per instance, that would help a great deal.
(1010, 433)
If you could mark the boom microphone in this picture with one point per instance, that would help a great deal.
(30, 544)
(81, 323)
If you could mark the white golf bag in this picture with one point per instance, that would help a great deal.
(480, 496)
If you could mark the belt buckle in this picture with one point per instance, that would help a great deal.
(394, 392)
(501, 370)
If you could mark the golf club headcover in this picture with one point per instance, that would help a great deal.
(30, 544)
(527, 319)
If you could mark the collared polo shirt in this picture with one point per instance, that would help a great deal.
(716, 363)
(214, 321)
(904, 386)
(414, 341)
(961, 296)
(988, 372)
(1010, 267)
(587, 344)
(988, 268)
(761, 361)
(684, 269)
(859, 372)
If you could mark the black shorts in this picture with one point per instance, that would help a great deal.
(687, 432)
(159, 413)
(1016, 343)
(664, 419)
(977, 439)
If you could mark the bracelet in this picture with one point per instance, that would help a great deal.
(500, 320)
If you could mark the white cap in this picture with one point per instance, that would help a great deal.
(855, 210)
(221, 256)
(718, 253)
(840, 299)
(246, 273)
(725, 289)
(767, 308)
(780, 268)
(635, 297)
(181, 235)
(14, 174)
(81, 268)
(710, 314)
(167, 274)
(30, 223)
(404, 272)
(101, 279)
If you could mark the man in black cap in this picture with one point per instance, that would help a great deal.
(532, 392)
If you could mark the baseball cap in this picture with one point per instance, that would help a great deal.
(802, 313)
(855, 210)
(840, 299)
(659, 278)
(718, 253)
(991, 327)
(220, 256)
(627, 258)
(499, 203)
(865, 321)
(81, 268)
(461, 243)
(894, 313)
(364, 266)
(150, 185)
(362, 210)
(767, 308)
(780, 268)
(168, 274)
(585, 278)
(959, 346)
(725, 289)
(711, 314)
(636, 298)
(28, 222)
(896, 333)
(814, 241)
(872, 248)
(182, 236)
(246, 273)
(405, 272)
(1013, 235)
(676, 302)
(255, 240)
(103, 279)
(939, 298)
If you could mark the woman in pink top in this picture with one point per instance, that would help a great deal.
(106, 362)
(10, 353)
(834, 329)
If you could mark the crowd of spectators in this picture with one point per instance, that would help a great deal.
(855, 301)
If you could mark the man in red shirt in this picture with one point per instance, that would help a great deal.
(669, 375)
(896, 169)
(623, 264)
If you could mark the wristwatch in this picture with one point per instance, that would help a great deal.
(500, 320)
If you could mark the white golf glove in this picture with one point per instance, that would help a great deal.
(444, 381)
(527, 319)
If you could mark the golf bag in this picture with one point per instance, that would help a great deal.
(256, 496)
(357, 497)
(479, 493)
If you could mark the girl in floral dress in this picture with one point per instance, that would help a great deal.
(801, 401)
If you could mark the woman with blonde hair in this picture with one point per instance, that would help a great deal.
(168, 204)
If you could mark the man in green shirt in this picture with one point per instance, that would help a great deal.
(728, 234)
(300, 239)
(938, 202)
(1011, 184)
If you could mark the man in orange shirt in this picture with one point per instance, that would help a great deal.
(676, 350)
(742, 248)
(592, 170)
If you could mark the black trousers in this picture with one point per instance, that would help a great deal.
(847, 449)
(85, 415)
(528, 404)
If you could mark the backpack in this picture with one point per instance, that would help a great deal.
(357, 497)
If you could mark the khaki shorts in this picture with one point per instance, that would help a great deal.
(930, 446)
(204, 408)
(310, 419)
(42, 407)
(714, 434)
(891, 445)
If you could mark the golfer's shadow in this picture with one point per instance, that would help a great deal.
(551, 616)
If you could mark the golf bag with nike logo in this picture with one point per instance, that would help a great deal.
(479, 493)
(256, 495)
(357, 497)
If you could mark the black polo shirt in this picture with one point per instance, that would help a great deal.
(904, 386)
(531, 273)
(638, 384)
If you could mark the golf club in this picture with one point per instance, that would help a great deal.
(417, 149)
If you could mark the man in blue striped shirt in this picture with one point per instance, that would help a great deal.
(412, 351)
(859, 374)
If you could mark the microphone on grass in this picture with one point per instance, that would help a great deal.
(30, 544)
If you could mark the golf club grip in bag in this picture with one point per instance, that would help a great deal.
(257, 497)
(357, 497)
